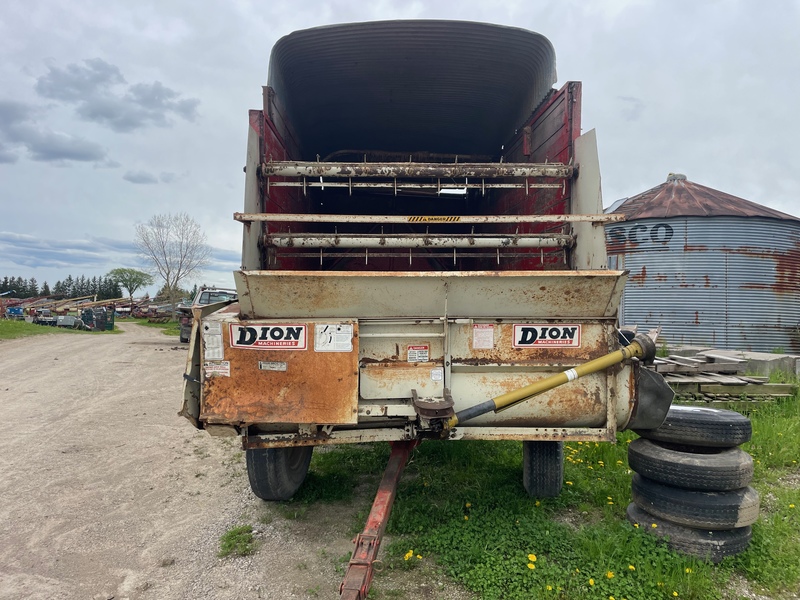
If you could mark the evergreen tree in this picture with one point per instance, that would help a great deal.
(46, 289)
(33, 287)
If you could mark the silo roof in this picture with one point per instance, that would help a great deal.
(439, 86)
(679, 197)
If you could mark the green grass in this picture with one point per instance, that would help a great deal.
(238, 541)
(462, 505)
(11, 329)
(172, 328)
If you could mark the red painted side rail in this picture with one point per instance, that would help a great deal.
(358, 578)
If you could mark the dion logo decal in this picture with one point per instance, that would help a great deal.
(269, 337)
(533, 335)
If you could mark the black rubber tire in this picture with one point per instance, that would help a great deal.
(277, 473)
(184, 340)
(719, 470)
(543, 468)
(701, 426)
(711, 546)
(699, 510)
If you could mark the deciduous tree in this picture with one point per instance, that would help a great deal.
(175, 248)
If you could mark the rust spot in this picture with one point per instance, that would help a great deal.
(695, 248)
(696, 317)
(641, 277)
(254, 395)
(660, 278)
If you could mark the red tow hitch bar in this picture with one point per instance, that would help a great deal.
(361, 567)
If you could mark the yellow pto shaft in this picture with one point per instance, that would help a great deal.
(642, 346)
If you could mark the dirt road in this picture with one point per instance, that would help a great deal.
(106, 493)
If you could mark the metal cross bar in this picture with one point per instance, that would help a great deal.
(394, 185)
(409, 170)
(468, 219)
(332, 240)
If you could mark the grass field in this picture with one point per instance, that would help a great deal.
(462, 505)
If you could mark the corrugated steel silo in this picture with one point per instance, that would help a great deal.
(709, 268)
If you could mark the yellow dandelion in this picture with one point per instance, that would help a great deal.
(468, 505)
(538, 503)
(408, 555)
(531, 566)
(568, 482)
(610, 575)
(532, 557)
(549, 588)
(577, 570)
(654, 526)
(590, 467)
(591, 581)
(636, 525)
(609, 498)
(610, 503)
(791, 506)
(611, 598)
(628, 441)
(631, 568)
(675, 594)
(466, 518)
(688, 569)
(419, 556)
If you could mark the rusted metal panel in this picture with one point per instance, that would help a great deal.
(679, 197)
(396, 379)
(580, 403)
(727, 282)
(273, 384)
(308, 294)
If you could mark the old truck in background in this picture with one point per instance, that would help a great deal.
(423, 258)
(205, 295)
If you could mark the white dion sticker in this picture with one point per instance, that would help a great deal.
(212, 342)
(217, 369)
(534, 335)
(437, 374)
(482, 336)
(268, 336)
(333, 337)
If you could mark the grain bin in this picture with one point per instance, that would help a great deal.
(710, 268)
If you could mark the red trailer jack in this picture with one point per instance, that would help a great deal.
(358, 577)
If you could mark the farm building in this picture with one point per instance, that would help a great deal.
(710, 268)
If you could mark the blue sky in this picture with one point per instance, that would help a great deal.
(113, 112)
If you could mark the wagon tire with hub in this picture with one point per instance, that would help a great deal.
(277, 473)
(700, 426)
(543, 468)
(697, 509)
(713, 469)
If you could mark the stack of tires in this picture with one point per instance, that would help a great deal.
(691, 482)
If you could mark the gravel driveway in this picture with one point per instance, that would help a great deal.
(106, 493)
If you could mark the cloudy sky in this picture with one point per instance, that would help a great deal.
(112, 112)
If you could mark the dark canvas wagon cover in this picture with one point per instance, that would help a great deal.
(407, 86)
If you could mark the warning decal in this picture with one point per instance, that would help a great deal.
(265, 336)
(535, 335)
(420, 353)
(433, 219)
(333, 337)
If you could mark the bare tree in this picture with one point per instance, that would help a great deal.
(175, 248)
